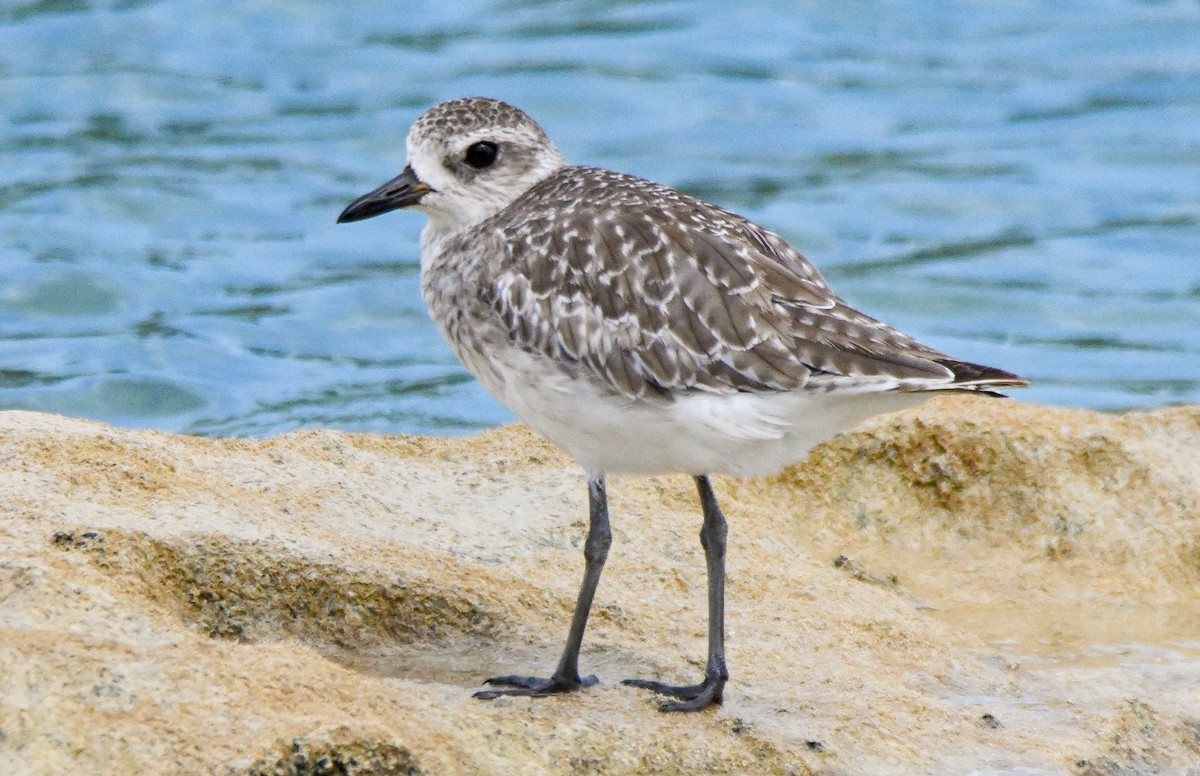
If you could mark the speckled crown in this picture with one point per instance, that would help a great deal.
(468, 114)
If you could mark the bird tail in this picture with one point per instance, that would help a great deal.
(977, 378)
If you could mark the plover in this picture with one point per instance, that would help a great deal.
(642, 330)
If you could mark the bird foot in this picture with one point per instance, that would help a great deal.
(534, 686)
(693, 697)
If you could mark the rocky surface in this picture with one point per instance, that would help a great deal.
(972, 587)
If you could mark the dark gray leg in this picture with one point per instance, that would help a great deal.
(566, 676)
(695, 697)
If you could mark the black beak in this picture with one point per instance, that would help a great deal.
(405, 190)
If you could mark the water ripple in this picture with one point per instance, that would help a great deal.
(1013, 185)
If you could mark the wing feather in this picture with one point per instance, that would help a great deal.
(652, 291)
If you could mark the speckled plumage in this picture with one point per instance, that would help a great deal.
(624, 291)
(652, 291)
(640, 329)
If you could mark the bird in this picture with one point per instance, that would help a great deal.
(642, 330)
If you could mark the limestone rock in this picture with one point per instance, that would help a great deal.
(975, 585)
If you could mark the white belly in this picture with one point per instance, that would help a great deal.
(696, 433)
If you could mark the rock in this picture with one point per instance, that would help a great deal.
(974, 585)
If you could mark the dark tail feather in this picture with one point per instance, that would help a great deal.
(976, 377)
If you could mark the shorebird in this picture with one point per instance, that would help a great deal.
(643, 331)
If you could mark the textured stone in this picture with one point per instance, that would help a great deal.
(974, 585)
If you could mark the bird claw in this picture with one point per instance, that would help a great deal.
(692, 697)
(533, 686)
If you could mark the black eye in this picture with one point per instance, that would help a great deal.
(482, 154)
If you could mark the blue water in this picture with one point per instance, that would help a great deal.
(1016, 183)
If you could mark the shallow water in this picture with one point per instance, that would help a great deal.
(1016, 184)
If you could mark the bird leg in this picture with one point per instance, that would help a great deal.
(695, 697)
(566, 676)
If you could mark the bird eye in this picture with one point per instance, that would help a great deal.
(482, 154)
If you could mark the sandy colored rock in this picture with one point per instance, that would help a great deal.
(975, 586)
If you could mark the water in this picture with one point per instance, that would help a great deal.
(1016, 183)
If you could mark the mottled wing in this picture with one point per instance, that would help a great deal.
(653, 291)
